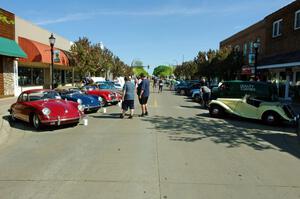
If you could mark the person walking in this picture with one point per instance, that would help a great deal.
(160, 85)
(144, 95)
(206, 92)
(128, 98)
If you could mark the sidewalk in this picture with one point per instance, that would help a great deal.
(4, 124)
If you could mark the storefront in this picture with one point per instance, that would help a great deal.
(10, 51)
(34, 71)
(284, 70)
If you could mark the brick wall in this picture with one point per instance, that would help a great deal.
(289, 41)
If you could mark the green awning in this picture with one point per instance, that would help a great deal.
(10, 48)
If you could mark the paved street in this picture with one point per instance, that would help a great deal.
(177, 152)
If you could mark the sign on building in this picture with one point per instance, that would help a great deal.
(56, 58)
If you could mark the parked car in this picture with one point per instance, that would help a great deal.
(253, 100)
(45, 107)
(197, 95)
(108, 96)
(185, 89)
(91, 103)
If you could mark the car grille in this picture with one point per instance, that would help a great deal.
(289, 111)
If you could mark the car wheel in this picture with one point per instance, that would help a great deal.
(271, 118)
(182, 92)
(216, 111)
(197, 98)
(36, 121)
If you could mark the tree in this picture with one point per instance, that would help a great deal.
(163, 71)
(138, 70)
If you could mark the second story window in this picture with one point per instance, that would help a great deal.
(297, 20)
(277, 28)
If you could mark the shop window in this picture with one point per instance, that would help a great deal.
(68, 77)
(57, 77)
(24, 76)
(297, 20)
(277, 28)
(38, 76)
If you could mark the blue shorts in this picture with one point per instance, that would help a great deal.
(127, 104)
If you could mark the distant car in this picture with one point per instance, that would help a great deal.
(108, 96)
(91, 103)
(118, 86)
(197, 95)
(45, 107)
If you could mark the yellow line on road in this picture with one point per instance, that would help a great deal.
(155, 104)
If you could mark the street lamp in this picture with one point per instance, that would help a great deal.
(256, 46)
(52, 42)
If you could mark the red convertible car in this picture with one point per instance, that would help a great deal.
(45, 107)
(108, 96)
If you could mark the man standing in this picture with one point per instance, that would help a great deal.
(144, 95)
(128, 98)
(161, 84)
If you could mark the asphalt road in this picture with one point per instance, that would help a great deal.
(177, 152)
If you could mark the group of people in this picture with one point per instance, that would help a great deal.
(142, 88)
(160, 83)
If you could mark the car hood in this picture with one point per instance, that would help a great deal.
(86, 99)
(57, 107)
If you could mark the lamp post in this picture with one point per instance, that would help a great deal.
(52, 42)
(256, 46)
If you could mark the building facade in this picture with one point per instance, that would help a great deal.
(279, 51)
(34, 71)
(9, 53)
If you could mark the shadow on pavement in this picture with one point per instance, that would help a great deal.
(232, 133)
(18, 124)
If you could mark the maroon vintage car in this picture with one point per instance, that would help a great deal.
(45, 107)
(108, 96)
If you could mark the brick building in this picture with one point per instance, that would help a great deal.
(9, 52)
(279, 52)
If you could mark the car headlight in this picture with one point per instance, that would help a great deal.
(79, 101)
(46, 111)
(80, 108)
(100, 99)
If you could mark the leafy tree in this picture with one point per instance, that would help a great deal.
(163, 71)
(138, 70)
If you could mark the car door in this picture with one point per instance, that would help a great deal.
(248, 108)
(20, 107)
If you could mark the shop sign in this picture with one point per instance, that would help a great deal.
(5, 19)
(246, 70)
(56, 58)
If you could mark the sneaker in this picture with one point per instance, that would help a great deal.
(146, 113)
(130, 117)
(142, 115)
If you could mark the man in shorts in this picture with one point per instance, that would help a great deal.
(144, 95)
(128, 98)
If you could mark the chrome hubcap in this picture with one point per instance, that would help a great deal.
(215, 111)
(35, 121)
(271, 118)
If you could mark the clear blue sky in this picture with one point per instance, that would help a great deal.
(155, 32)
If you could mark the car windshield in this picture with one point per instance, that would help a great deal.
(104, 86)
(42, 95)
(75, 91)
